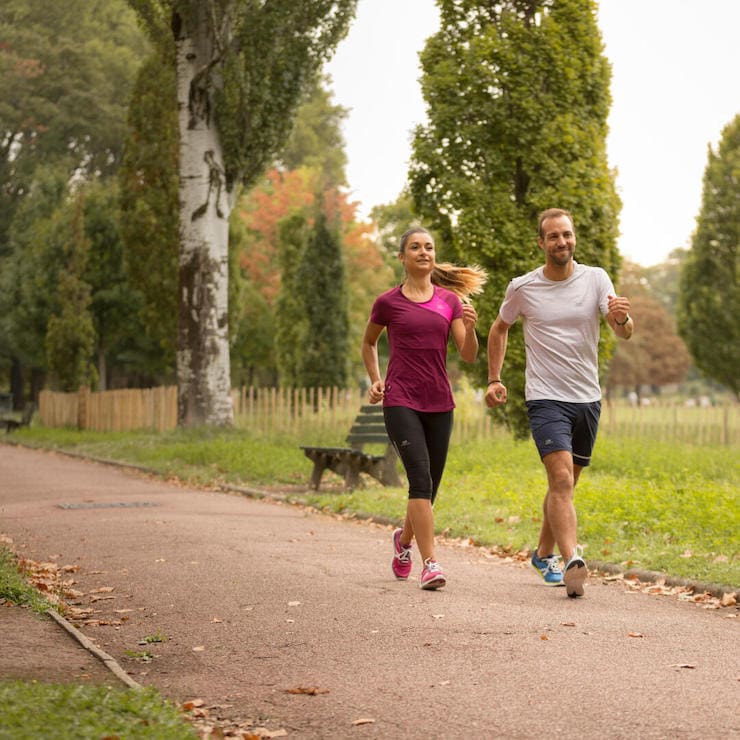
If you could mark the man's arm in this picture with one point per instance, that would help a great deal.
(498, 338)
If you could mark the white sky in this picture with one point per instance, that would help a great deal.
(675, 85)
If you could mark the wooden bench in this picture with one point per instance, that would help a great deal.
(349, 462)
(11, 423)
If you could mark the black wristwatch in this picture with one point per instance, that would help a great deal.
(626, 319)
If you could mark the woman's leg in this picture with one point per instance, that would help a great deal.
(406, 431)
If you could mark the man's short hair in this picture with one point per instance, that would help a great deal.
(553, 213)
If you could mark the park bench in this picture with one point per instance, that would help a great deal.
(12, 423)
(349, 462)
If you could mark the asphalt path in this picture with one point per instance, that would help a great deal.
(279, 617)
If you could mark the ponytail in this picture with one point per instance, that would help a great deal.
(463, 281)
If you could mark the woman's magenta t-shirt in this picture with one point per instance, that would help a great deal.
(417, 336)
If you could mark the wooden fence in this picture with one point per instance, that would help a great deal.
(324, 415)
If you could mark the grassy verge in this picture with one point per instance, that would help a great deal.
(72, 711)
(650, 505)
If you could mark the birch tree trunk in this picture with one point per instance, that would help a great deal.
(203, 372)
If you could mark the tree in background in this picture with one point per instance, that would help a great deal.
(279, 212)
(290, 303)
(321, 277)
(70, 334)
(65, 74)
(517, 99)
(709, 298)
(148, 184)
(241, 68)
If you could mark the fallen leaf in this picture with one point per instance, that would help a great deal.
(635, 634)
(363, 721)
(728, 599)
(294, 603)
(216, 620)
(192, 704)
(568, 624)
(311, 691)
(544, 637)
(438, 616)
(682, 665)
(199, 648)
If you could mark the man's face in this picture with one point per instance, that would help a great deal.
(559, 240)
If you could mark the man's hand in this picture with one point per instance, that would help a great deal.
(495, 395)
(619, 308)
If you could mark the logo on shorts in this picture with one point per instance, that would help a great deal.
(548, 442)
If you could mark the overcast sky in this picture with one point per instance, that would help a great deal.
(675, 86)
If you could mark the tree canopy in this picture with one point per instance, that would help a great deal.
(517, 97)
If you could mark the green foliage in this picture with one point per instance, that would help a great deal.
(65, 74)
(290, 305)
(29, 274)
(148, 180)
(518, 98)
(320, 275)
(709, 297)
(75, 712)
(316, 139)
(277, 50)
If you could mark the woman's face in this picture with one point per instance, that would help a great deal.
(418, 254)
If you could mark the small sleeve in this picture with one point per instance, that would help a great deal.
(379, 312)
(510, 308)
(606, 288)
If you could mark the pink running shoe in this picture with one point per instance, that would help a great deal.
(401, 563)
(432, 576)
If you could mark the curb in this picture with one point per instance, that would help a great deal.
(108, 660)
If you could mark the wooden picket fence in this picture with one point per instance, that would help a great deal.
(327, 413)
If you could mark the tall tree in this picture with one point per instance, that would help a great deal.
(241, 68)
(517, 97)
(148, 199)
(321, 275)
(70, 334)
(709, 296)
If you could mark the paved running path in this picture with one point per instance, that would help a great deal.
(259, 598)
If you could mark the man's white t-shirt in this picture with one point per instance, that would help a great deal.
(561, 331)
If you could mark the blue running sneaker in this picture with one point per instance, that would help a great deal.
(548, 568)
(575, 574)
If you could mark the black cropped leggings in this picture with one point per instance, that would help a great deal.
(421, 440)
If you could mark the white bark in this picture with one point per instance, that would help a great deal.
(203, 371)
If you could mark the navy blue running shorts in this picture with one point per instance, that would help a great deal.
(559, 425)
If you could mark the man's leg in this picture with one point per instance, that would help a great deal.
(559, 520)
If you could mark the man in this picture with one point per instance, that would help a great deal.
(559, 304)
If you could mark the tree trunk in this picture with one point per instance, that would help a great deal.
(203, 373)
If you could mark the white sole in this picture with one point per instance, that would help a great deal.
(574, 578)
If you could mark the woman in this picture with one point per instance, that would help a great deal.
(420, 314)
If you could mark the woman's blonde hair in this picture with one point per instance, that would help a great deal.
(463, 281)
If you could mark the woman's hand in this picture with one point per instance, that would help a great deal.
(376, 391)
(469, 317)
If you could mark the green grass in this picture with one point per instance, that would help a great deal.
(659, 506)
(74, 712)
